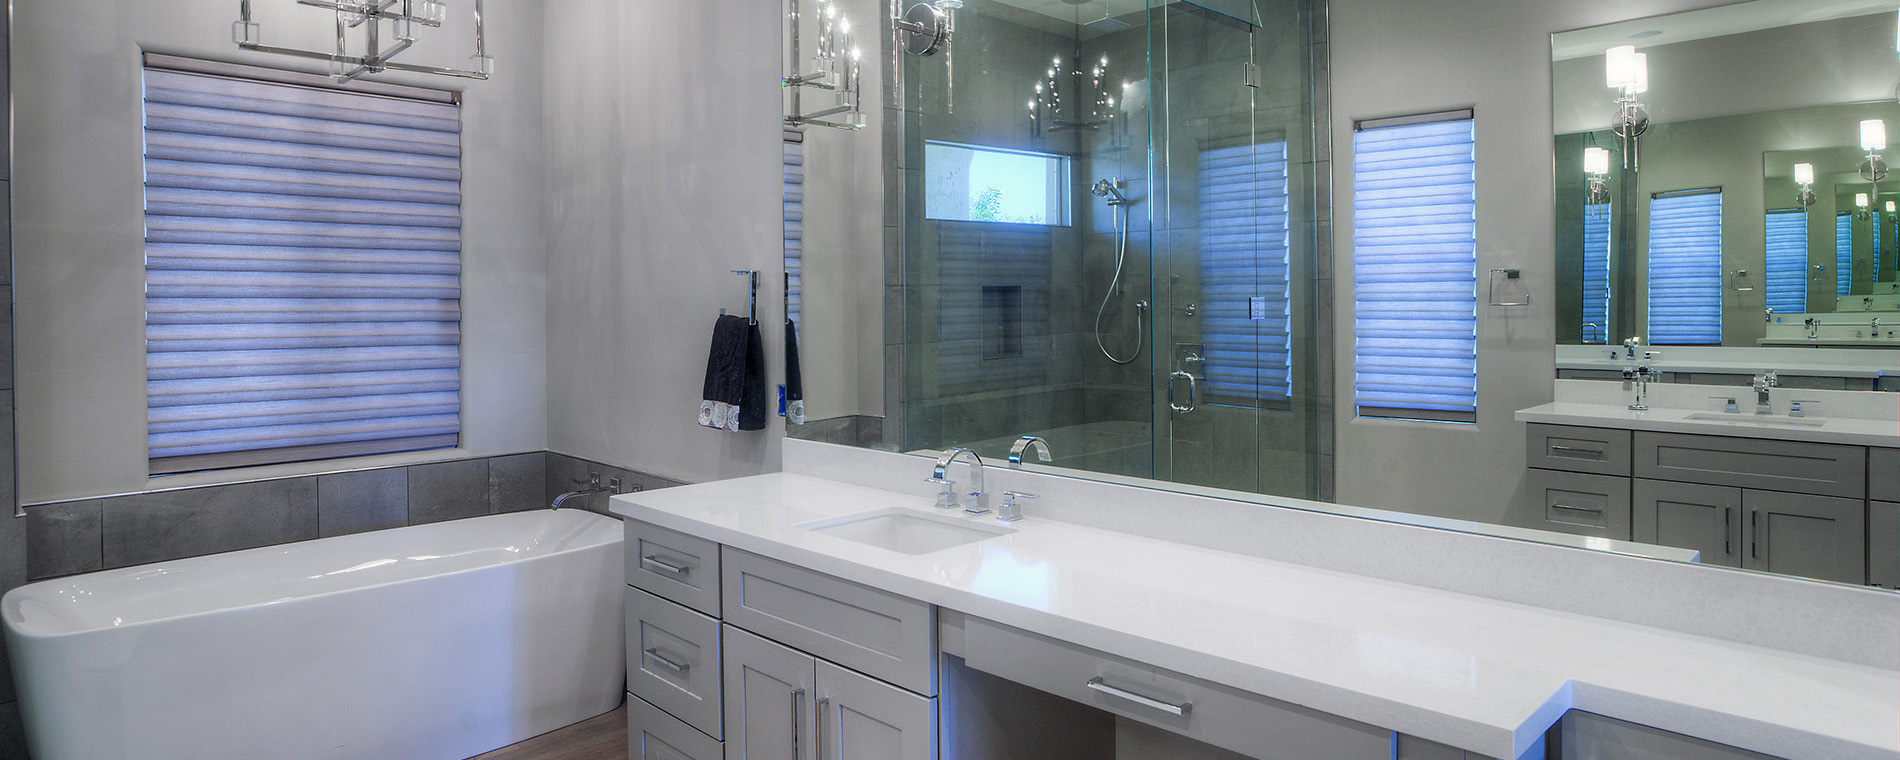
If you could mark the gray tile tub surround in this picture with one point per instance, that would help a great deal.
(569, 473)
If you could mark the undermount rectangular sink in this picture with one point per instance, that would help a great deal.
(1756, 419)
(906, 530)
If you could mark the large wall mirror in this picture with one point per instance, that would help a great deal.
(1723, 190)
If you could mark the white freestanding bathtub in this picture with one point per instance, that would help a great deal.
(429, 642)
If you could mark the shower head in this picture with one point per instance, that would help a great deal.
(1110, 189)
(1106, 25)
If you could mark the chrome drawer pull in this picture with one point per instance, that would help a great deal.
(667, 662)
(1170, 708)
(1591, 510)
(1577, 449)
(661, 564)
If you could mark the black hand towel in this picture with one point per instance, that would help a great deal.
(722, 394)
(794, 378)
(752, 404)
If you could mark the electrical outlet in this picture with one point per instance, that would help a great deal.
(613, 485)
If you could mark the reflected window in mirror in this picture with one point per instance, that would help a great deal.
(1415, 264)
(1685, 267)
(1843, 253)
(1246, 322)
(1595, 327)
(1787, 258)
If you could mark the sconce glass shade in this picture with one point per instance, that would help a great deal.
(1873, 135)
(1890, 206)
(1596, 161)
(1860, 199)
(1804, 174)
(1620, 66)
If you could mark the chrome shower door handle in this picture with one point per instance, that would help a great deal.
(1193, 391)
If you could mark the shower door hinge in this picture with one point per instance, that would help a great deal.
(1252, 71)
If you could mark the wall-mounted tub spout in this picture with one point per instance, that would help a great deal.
(593, 486)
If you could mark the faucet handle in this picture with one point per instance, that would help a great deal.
(1729, 407)
(946, 492)
(1794, 406)
(1011, 509)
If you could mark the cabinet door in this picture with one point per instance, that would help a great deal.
(860, 718)
(1811, 536)
(769, 695)
(652, 734)
(1883, 544)
(1705, 518)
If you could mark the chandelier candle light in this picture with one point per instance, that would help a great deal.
(1628, 72)
(402, 16)
(836, 66)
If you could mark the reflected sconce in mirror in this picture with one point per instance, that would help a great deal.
(1628, 72)
(836, 66)
(1873, 139)
(1596, 173)
(1046, 106)
(1860, 206)
(1804, 178)
(401, 18)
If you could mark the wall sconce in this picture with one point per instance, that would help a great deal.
(402, 16)
(927, 28)
(1860, 204)
(1873, 139)
(836, 67)
(1804, 177)
(1596, 174)
(1628, 72)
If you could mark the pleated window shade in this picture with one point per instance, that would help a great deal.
(1596, 272)
(1415, 263)
(1843, 253)
(1787, 261)
(794, 191)
(1244, 231)
(303, 272)
(1685, 268)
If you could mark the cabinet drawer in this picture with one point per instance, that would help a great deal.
(1883, 474)
(1815, 468)
(654, 735)
(673, 660)
(1579, 449)
(1579, 503)
(1218, 715)
(1586, 736)
(1883, 544)
(868, 630)
(674, 565)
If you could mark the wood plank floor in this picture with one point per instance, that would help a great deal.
(599, 738)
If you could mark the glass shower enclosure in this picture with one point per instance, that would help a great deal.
(1110, 219)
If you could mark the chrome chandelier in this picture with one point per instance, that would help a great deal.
(368, 18)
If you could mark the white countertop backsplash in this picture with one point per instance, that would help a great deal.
(1475, 641)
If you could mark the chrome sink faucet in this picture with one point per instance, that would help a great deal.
(976, 501)
(1762, 384)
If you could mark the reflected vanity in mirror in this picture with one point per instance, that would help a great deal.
(1742, 222)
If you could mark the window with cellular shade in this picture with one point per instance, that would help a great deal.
(1415, 248)
(1595, 327)
(1685, 268)
(1843, 253)
(303, 271)
(1787, 253)
(1245, 318)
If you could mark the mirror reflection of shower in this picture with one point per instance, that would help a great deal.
(1118, 204)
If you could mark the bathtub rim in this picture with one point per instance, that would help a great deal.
(12, 629)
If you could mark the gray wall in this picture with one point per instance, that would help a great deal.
(663, 166)
(1391, 58)
(80, 265)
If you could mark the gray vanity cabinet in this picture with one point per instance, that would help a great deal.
(786, 704)
(1578, 481)
(1790, 533)
(1705, 518)
(1883, 544)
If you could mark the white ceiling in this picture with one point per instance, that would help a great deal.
(1713, 22)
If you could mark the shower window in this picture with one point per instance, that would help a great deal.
(1244, 273)
(303, 268)
(968, 183)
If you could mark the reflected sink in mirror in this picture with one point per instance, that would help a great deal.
(906, 531)
(1744, 419)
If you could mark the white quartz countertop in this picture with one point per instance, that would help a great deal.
(1858, 432)
(1483, 675)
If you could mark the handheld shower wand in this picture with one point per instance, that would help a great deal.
(1118, 205)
